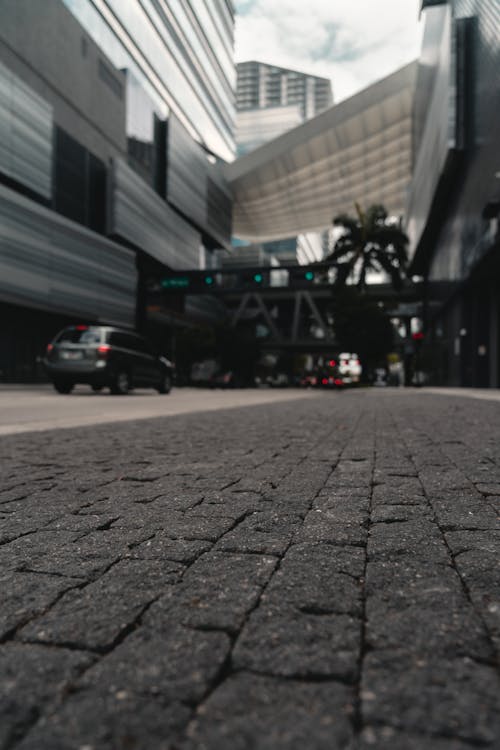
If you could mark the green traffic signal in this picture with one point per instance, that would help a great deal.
(209, 280)
(309, 276)
(257, 277)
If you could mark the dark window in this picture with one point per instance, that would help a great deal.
(79, 183)
(125, 341)
(80, 336)
(96, 194)
(69, 177)
(146, 136)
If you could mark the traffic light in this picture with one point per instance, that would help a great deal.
(258, 278)
(309, 275)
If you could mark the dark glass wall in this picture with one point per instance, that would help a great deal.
(180, 53)
(460, 240)
(79, 183)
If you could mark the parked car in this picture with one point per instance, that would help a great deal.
(203, 373)
(105, 356)
(309, 380)
(278, 380)
(349, 368)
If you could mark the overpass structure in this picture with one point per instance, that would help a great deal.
(357, 151)
(292, 303)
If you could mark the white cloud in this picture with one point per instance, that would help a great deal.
(353, 42)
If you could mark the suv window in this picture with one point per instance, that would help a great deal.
(142, 345)
(80, 336)
(128, 341)
(123, 340)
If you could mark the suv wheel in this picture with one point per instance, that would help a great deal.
(165, 385)
(63, 386)
(121, 383)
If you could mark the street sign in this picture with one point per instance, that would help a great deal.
(175, 282)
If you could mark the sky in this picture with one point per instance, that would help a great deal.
(352, 42)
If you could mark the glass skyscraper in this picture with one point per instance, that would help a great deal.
(114, 130)
(180, 53)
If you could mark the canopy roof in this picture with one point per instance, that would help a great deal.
(358, 150)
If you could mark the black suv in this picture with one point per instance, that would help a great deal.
(105, 356)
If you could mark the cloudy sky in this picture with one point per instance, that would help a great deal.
(353, 42)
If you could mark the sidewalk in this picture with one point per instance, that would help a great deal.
(316, 574)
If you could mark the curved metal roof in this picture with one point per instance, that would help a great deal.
(358, 150)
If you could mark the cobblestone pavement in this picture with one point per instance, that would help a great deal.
(316, 574)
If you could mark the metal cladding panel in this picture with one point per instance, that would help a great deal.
(465, 236)
(435, 134)
(141, 217)
(220, 211)
(54, 264)
(187, 168)
(25, 134)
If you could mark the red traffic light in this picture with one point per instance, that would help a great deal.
(417, 336)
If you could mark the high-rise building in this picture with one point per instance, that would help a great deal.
(257, 126)
(113, 133)
(261, 85)
(453, 213)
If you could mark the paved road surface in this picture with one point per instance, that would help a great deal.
(314, 574)
(25, 409)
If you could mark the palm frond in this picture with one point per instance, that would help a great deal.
(343, 272)
(392, 270)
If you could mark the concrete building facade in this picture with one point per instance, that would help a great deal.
(110, 162)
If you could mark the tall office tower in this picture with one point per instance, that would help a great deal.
(271, 101)
(115, 120)
(261, 85)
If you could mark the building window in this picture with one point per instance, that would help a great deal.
(79, 183)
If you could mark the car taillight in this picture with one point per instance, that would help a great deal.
(49, 348)
(339, 381)
(325, 381)
(103, 351)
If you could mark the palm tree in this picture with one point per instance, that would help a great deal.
(370, 242)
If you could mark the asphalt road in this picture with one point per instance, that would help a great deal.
(317, 573)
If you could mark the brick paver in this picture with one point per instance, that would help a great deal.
(313, 574)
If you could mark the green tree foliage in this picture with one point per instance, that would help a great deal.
(370, 242)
